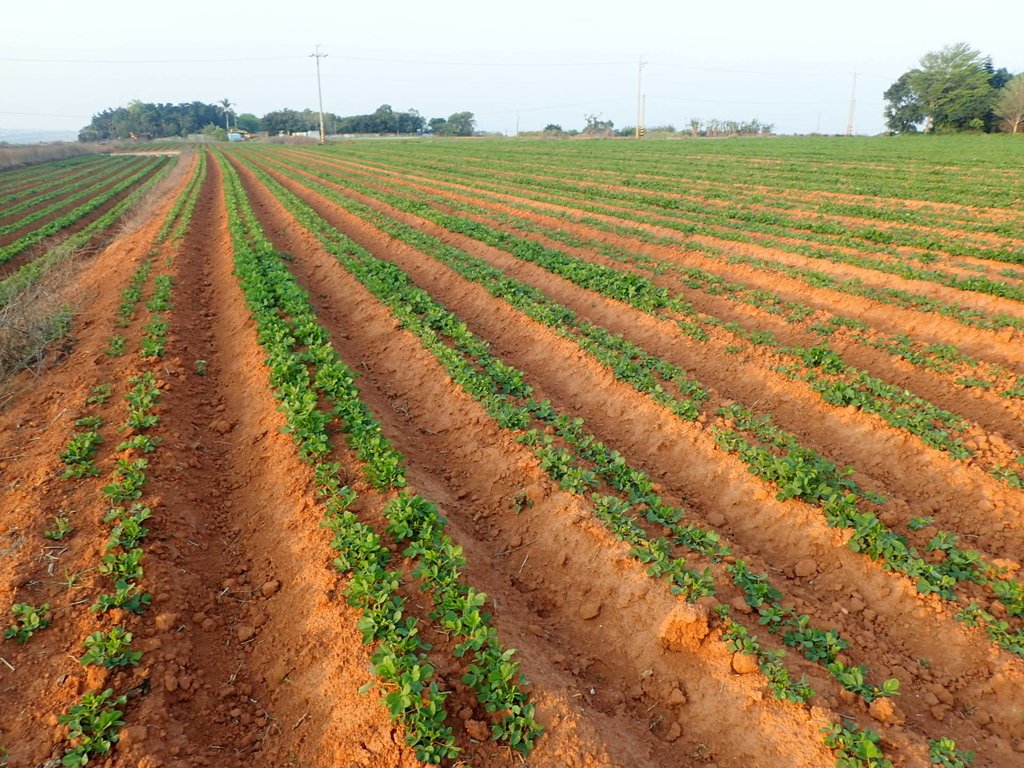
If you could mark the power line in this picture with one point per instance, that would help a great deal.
(372, 59)
(148, 61)
(754, 103)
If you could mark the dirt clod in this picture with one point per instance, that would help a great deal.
(744, 664)
(684, 627)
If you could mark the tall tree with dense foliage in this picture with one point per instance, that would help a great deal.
(953, 89)
(903, 110)
(1010, 106)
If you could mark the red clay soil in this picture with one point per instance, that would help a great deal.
(252, 657)
(960, 668)
(840, 271)
(646, 697)
(27, 192)
(886, 317)
(112, 177)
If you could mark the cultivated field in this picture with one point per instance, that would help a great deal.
(494, 453)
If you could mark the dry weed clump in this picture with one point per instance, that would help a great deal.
(33, 318)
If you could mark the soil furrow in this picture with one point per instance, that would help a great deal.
(889, 460)
(256, 663)
(674, 454)
(407, 392)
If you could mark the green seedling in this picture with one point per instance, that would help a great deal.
(110, 649)
(27, 621)
(61, 527)
(94, 724)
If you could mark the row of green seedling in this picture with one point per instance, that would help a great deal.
(71, 195)
(33, 270)
(72, 183)
(820, 367)
(286, 323)
(940, 358)
(815, 278)
(737, 224)
(25, 242)
(497, 391)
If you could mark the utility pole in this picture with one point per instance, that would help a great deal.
(320, 95)
(517, 123)
(639, 97)
(853, 106)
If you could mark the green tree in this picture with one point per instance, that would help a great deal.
(953, 88)
(457, 124)
(225, 105)
(248, 122)
(214, 133)
(1010, 105)
(903, 109)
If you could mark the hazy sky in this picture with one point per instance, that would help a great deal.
(790, 63)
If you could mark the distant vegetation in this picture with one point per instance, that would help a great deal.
(953, 90)
(595, 127)
(141, 120)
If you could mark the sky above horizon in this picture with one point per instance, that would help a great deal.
(527, 63)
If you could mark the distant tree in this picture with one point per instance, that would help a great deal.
(150, 121)
(596, 126)
(953, 85)
(214, 132)
(552, 128)
(284, 121)
(410, 121)
(460, 124)
(903, 109)
(437, 126)
(248, 122)
(952, 90)
(1010, 106)
(384, 120)
(225, 105)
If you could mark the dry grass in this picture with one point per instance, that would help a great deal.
(35, 318)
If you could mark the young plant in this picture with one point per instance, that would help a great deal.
(27, 621)
(143, 443)
(61, 527)
(110, 649)
(855, 748)
(99, 394)
(126, 595)
(93, 723)
(116, 346)
(943, 752)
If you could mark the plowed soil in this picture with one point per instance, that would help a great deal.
(253, 657)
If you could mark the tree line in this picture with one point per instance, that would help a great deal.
(955, 89)
(141, 120)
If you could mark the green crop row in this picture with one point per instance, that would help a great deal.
(502, 392)
(286, 323)
(26, 241)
